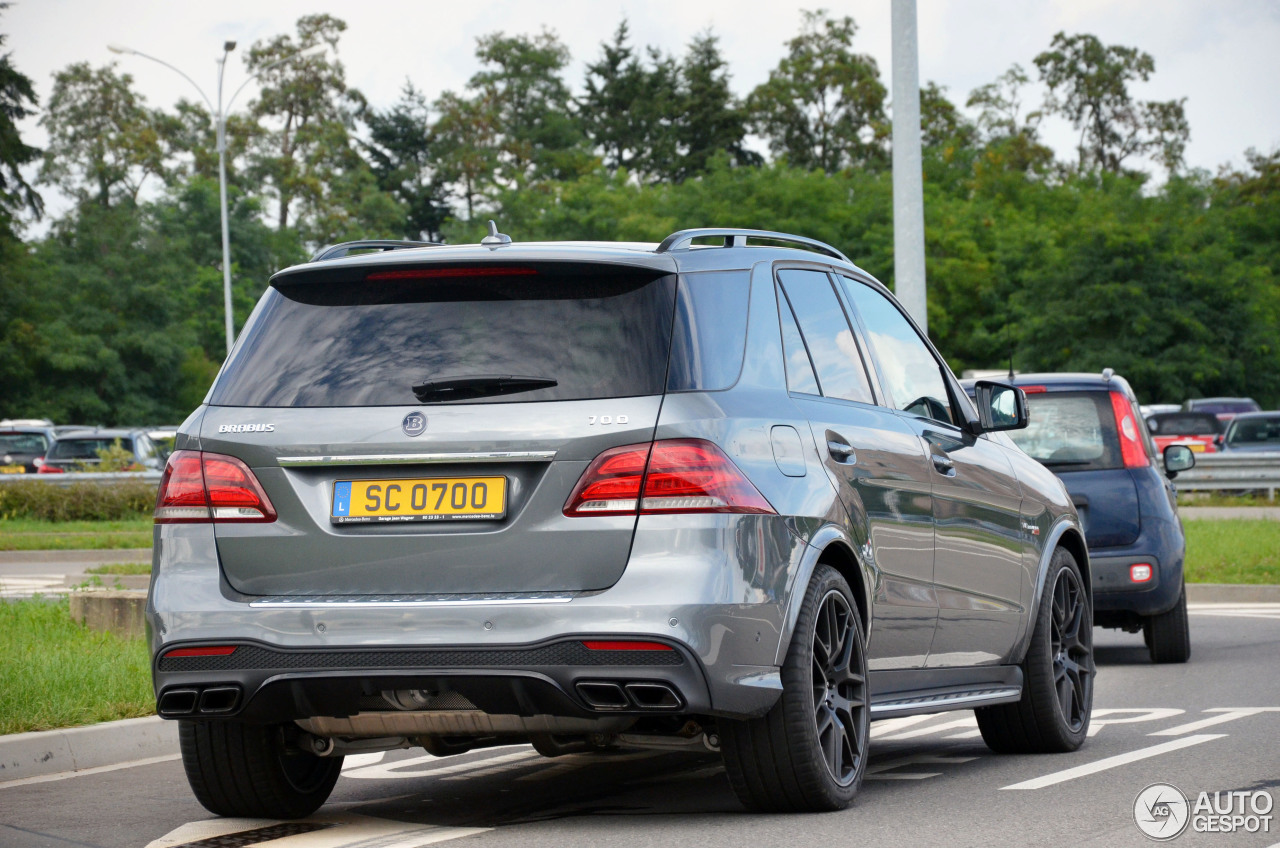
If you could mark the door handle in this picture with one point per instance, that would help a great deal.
(944, 464)
(840, 450)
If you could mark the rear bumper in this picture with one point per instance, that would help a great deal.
(718, 601)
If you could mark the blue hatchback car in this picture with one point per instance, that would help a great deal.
(1087, 429)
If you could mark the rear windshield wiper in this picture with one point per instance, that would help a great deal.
(1066, 462)
(477, 386)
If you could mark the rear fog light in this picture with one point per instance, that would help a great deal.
(1140, 573)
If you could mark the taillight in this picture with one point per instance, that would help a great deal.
(1132, 449)
(200, 487)
(43, 467)
(670, 476)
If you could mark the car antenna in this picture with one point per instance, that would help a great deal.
(495, 239)
(1011, 367)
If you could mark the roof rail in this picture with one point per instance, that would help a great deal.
(336, 251)
(738, 238)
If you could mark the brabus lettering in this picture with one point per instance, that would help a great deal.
(246, 428)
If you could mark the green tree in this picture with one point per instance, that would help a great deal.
(17, 102)
(103, 141)
(711, 121)
(402, 153)
(1089, 85)
(823, 105)
(466, 148)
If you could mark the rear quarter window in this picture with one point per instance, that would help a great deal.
(710, 331)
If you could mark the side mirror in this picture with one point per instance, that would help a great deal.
(1000, 406)
(1178, 458)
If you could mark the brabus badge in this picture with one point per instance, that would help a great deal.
(414, 424)
(246, 428)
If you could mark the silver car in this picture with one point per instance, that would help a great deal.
(717, 492)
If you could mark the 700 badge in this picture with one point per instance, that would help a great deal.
(422, 499)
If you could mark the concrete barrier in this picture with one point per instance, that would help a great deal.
(118, 611)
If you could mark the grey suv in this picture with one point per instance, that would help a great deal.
(718, 492)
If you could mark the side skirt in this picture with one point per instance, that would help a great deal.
(932, 690)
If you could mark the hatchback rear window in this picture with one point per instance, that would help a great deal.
(1071, 431)
(85, 448)
(597, 332)
(1256, 432)
(22, 443)
(1184, 424)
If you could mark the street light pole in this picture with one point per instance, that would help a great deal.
(908, 180)
(220, 123)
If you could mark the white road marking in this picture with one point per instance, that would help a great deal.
(354, 761)
(968, 734)
(1128, 715)
(23, 586)
(63, 775)
(1114, 762)
(893, 725)
(966, 722)
(347, 830)
(888, 770)
(1226, 714)
(422, 766)
(1260, 610)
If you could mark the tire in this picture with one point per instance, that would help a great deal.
(809, 752)
(244, 770)
(1168, 635)
(1057, 673)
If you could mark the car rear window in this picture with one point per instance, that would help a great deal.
(85, 448)
(1184, 424)
(1071, 431)
(1254, 431)
(598, 331)
(22, 443)
(1225, 407)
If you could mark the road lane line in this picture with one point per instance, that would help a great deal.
(1226, 714)
(1114, 762)
(893, 725)
(395, 770)
(967, 722)
(63, 775)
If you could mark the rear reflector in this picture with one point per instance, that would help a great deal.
(437, 273)
(200, 487)
(1132, 449)
(676, 476)
(625, 646)
(1140, 573)
(216, 651)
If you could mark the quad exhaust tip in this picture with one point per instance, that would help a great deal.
(210, 701)
(613, 696)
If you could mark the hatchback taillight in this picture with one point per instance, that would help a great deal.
(43, 467)
(669, 476)
(1132, 450)
(200, 487)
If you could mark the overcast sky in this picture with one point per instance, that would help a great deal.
(1222, 55)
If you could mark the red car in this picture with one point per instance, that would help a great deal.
(1196, 430)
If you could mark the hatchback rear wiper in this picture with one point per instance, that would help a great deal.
(478, 386)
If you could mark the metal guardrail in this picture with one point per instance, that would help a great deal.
(69, 477)
(1232, 471)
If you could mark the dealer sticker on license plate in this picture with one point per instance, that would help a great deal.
(422, 499)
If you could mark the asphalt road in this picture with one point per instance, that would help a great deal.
(1211, 725)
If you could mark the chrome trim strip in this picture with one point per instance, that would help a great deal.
(948, 700)
(340, 604)
(414, 458)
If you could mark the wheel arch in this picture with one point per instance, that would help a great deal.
(829, 546)
(1065, 533)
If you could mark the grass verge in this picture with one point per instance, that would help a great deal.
(1238, 550)
(55, 672)
(120, 568)
(1220, 499)
(31, 534)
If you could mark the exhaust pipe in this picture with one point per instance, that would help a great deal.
(654, 696)
(603, 696)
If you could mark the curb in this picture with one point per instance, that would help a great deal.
(24, 755)
(1257, 513)
(1233, 593)
(76, 557)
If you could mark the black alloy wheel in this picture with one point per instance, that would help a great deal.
(1072, 654)
(839, 689)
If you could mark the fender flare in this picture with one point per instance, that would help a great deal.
(817, 545)
(1066, 523)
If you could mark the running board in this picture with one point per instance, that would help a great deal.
(918, 691)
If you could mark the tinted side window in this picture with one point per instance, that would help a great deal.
(908, 370)
(710, 332)
(827, 335)
(800, 376)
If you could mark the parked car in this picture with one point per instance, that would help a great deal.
(1253, 431)
(79, 449)
(22, 447)
(1150, 409)
(1087, 430)
(1197, 430)
(1225, 408)
(590, 495)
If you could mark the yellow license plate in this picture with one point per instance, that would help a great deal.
(1196, 447)
(13, 469)
(420, 499)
